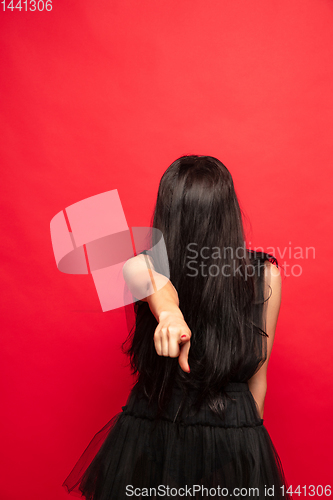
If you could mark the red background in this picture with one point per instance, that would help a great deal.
(105, 95)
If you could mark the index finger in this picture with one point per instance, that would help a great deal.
(183, 356)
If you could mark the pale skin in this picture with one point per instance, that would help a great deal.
(172, 336)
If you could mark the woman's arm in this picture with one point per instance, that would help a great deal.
(258, 383)
(172, 335)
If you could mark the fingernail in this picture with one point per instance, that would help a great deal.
(183, 336)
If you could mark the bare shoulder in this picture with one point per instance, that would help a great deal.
(272, 273)
(138, 263)
(138, 272)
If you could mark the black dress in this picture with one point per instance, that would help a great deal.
(184, 453)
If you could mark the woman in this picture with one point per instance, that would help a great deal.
(193, 422)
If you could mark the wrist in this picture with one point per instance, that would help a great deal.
(170, 312)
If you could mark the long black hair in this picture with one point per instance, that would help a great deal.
(219, 284)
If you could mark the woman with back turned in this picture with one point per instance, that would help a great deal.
(193, 423)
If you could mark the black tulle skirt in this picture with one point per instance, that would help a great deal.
(181, 455)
